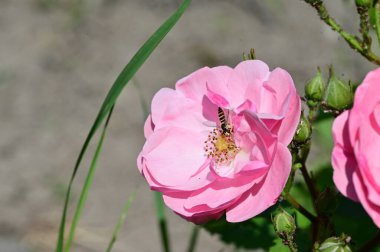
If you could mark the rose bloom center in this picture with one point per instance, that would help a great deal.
(220, 147)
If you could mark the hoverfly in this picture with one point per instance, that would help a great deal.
(224, 125)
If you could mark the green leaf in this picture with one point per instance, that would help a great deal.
(255, 233)
(259, 233)
(87, 184)
(322, 175)
(122, 80)
(350, 218)
(323, 133)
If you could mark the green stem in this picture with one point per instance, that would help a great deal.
(377, 21)
(312, 112)
(364, 27)
(292, 201)
(292, 246)
(352, 40)
(309, 182)
(162, 224)
(193, 239)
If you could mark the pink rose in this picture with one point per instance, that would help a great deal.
(217, 144)
(356, 153)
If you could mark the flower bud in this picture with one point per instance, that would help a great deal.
(284, 224)
(333, 244)
(364, 3)
(251, 55)
(339, 95)
(314, 89)
(312, 1)
(303, 131)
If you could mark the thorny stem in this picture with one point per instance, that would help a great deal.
(364, 27)
(292, 246)
(353, 41)
(377, 21)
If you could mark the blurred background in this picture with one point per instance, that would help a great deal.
(58, 58)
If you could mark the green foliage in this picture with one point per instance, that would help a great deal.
(364, 3)
(350, 218)
(255, 233)
(259, 233)
(122, 80)
(334, 244)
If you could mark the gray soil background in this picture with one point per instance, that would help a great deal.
(57, 62)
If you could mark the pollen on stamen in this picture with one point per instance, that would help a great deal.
(220, 147)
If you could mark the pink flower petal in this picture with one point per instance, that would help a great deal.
(272, 122)
(265, 140)
(266, 193)
(371, 209)
(177, 155)
(197, 181)
(253, 73)
(217, 99)
(201, 215)
(148, 127)
(193, 86)
(370, 176)
(343, 159)
(254, 168)
(279, 97)
(171, 108)
(368, 93)
(367, 153)
(220, 192)
(344, 165)
(176, 201)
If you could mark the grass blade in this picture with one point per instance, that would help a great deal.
(127, 73)
(121, 220)
(87, 185)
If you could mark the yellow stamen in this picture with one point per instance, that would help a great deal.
(220, 147)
